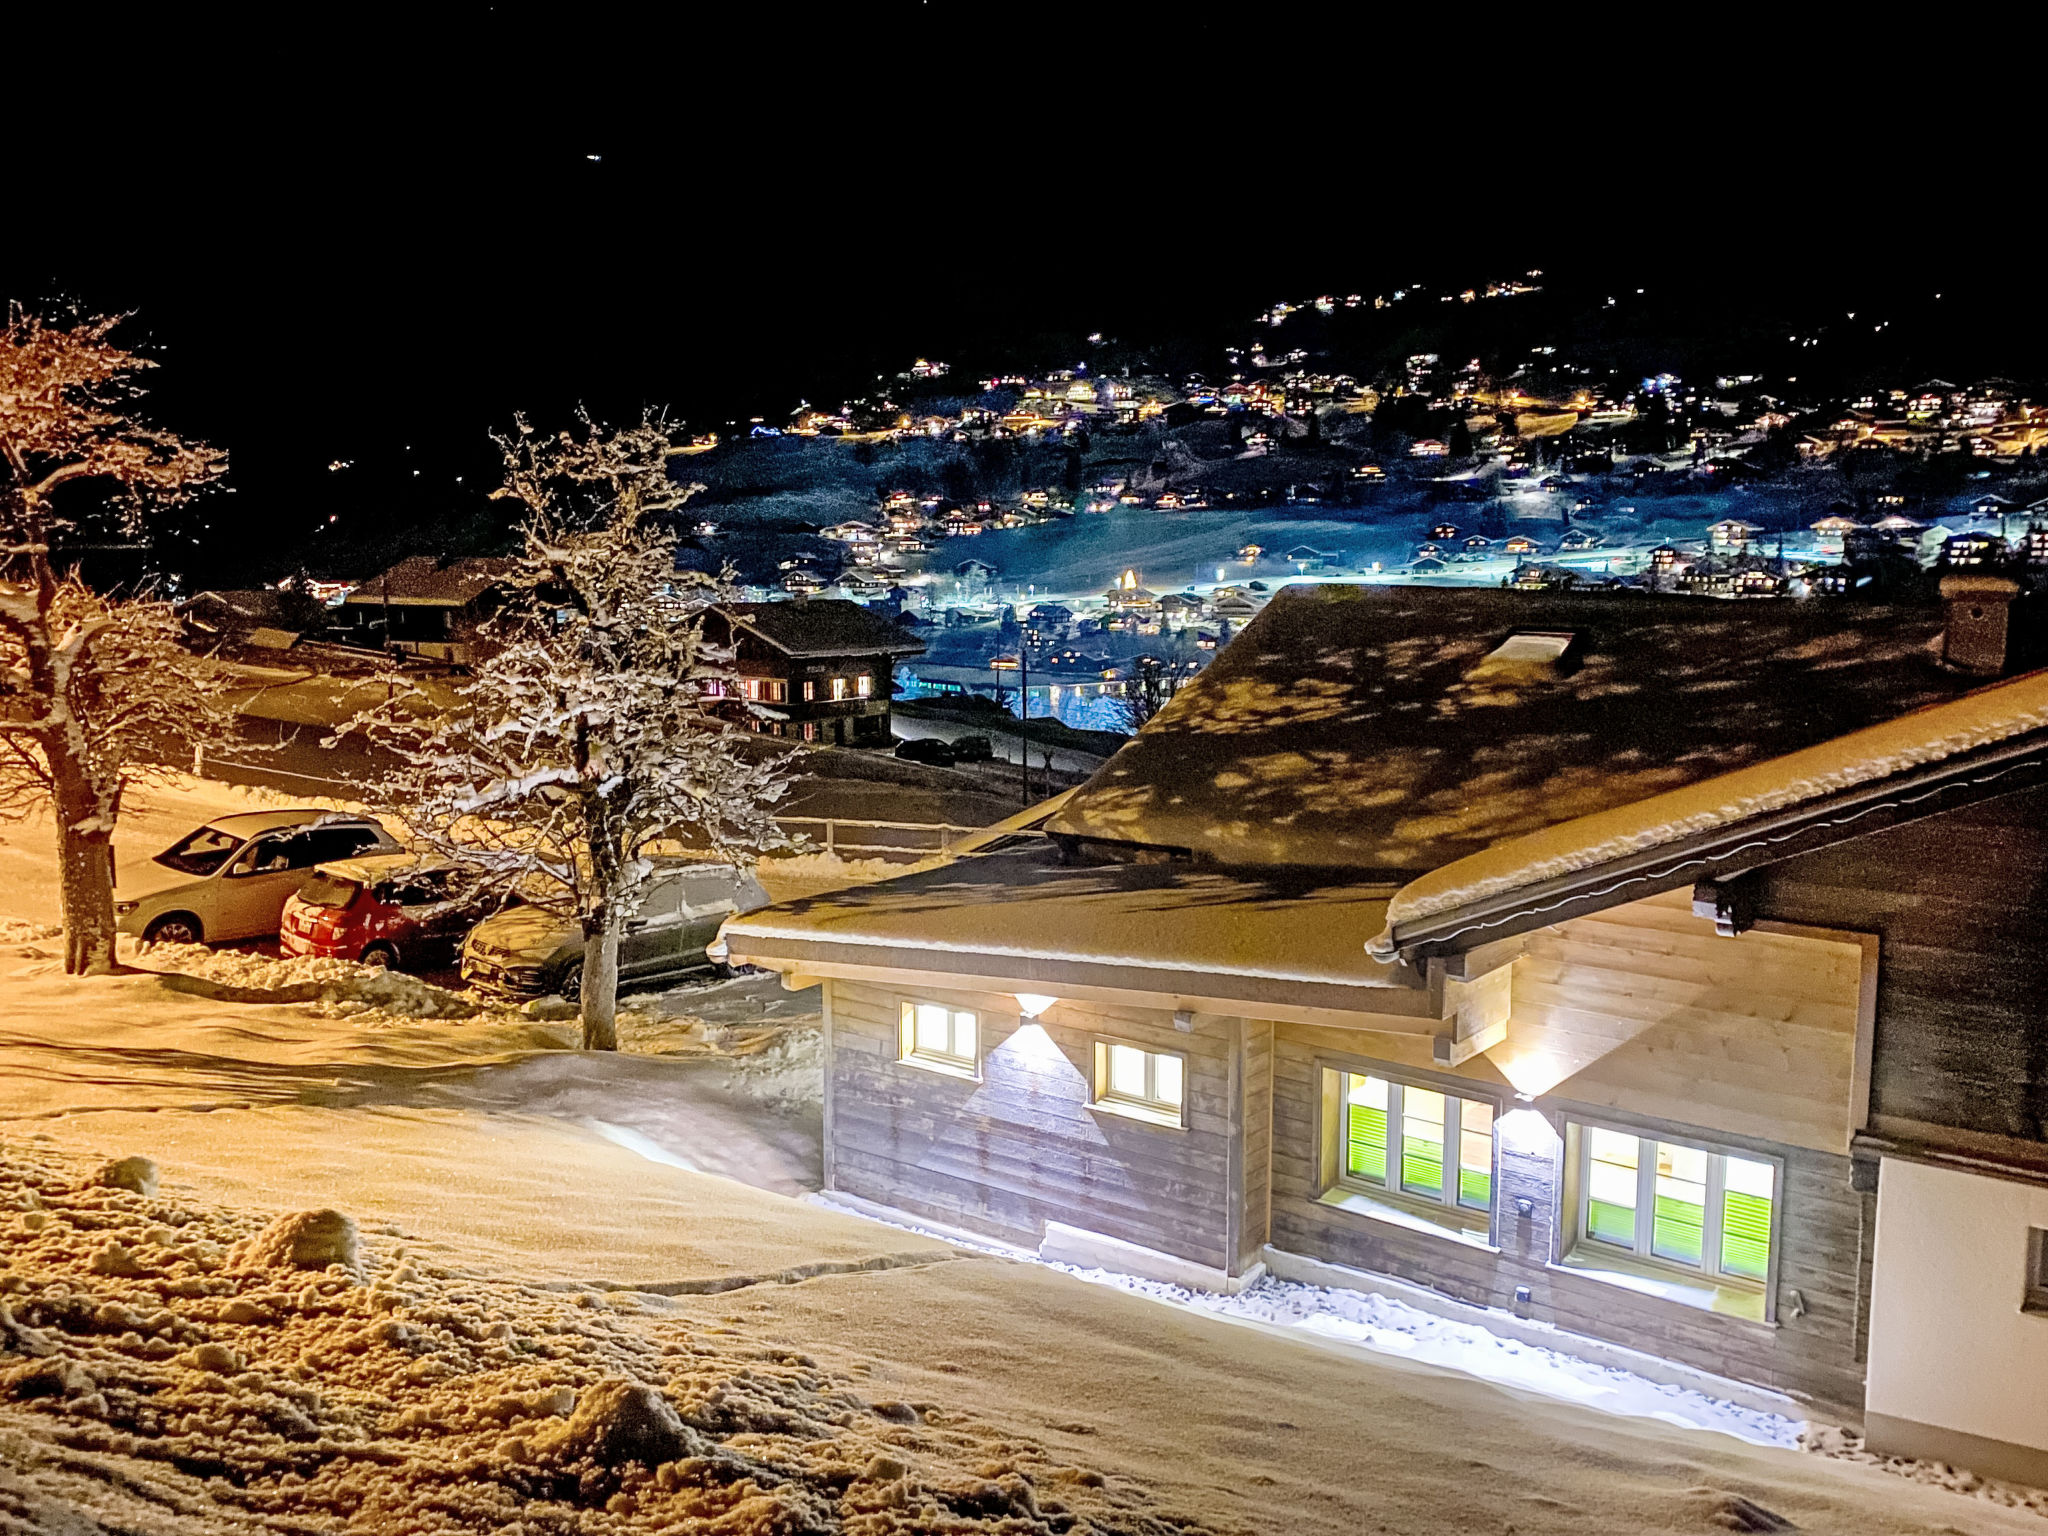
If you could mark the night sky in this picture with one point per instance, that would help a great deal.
(371, 245)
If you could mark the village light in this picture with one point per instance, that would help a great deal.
(1032, 1004)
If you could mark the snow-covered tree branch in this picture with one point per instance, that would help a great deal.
(93, 689)
(580, 748)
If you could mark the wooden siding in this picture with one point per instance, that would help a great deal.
(1258, 1140)
(1816, 1353)
(1960, 904)
(1645, 1008)
(1022, 1147)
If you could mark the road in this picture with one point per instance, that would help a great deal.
(1065, 760)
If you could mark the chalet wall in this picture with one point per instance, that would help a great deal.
(1644, 1007)
(1022, 1147)
(1813, 1353)
(1960, 904)
(1951, 1352)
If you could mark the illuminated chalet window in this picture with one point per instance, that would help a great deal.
(1143, 1084)
(939, 1038)
(1683, 1205)
(1416, 1143)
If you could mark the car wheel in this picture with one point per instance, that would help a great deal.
(571, 984)
(380, 957)
(174, 928)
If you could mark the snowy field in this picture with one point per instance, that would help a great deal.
(1079, 557)
(541, 1229)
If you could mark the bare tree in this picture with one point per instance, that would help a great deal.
(1146, 692)
(581, 746)
(90, 687)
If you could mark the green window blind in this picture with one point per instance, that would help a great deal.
(1365, 1137)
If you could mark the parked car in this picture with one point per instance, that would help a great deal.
(927, 749)
(527, 951)
(972, 749)
(390, 909)
(231, 878)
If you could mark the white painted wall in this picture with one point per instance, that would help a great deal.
(1949, 1345)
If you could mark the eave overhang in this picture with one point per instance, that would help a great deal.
(1726, 852)
(1401, 1001)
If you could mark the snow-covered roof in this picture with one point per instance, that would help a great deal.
(824, 626)
(1725, 804)
(1346, 726)
(432, 581)
(1021, 914)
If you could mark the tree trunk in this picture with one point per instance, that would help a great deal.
(86, 866)
(601, 985)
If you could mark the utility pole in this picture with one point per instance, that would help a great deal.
(1024, 711)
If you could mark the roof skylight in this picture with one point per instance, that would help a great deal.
(1532, 645)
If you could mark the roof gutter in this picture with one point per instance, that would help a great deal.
(2001, 769)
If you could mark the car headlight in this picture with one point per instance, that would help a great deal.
(123, 908)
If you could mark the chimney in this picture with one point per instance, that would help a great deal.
(1976, 633)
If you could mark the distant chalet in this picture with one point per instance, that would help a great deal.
(426, 606)
(824, 666)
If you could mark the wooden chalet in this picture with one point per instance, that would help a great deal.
(1566, 956)
(823, 668)
(426, 606)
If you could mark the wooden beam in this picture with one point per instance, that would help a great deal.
(1451, 1051)
(1385, 1015)
(1477, 1009)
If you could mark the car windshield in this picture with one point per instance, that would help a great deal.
(328, 891)
(201, 852)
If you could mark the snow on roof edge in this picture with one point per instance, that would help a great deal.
(740, 929)
(1931, 735)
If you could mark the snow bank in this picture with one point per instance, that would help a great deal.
(399, 1397)
(340, 988)
(1389, 1326)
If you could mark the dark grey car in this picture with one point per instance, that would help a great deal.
(525, 951)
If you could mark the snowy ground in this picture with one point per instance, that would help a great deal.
(537, 1220)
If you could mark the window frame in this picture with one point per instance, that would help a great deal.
(1152, 1111)
(948, 1062)
(1580, 1250)
(2034, 1298)
(1451, 1214)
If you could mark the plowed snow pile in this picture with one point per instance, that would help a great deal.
(167, 1366)
(340, 987)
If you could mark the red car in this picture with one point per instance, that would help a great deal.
(390, 909)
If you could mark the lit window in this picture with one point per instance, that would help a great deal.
(864, 685)
(810, 690)
(941, 1038)
(1419, 1142)
(1710, 1213)
(1146, 1085)
(810, 730)
(838, 688)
